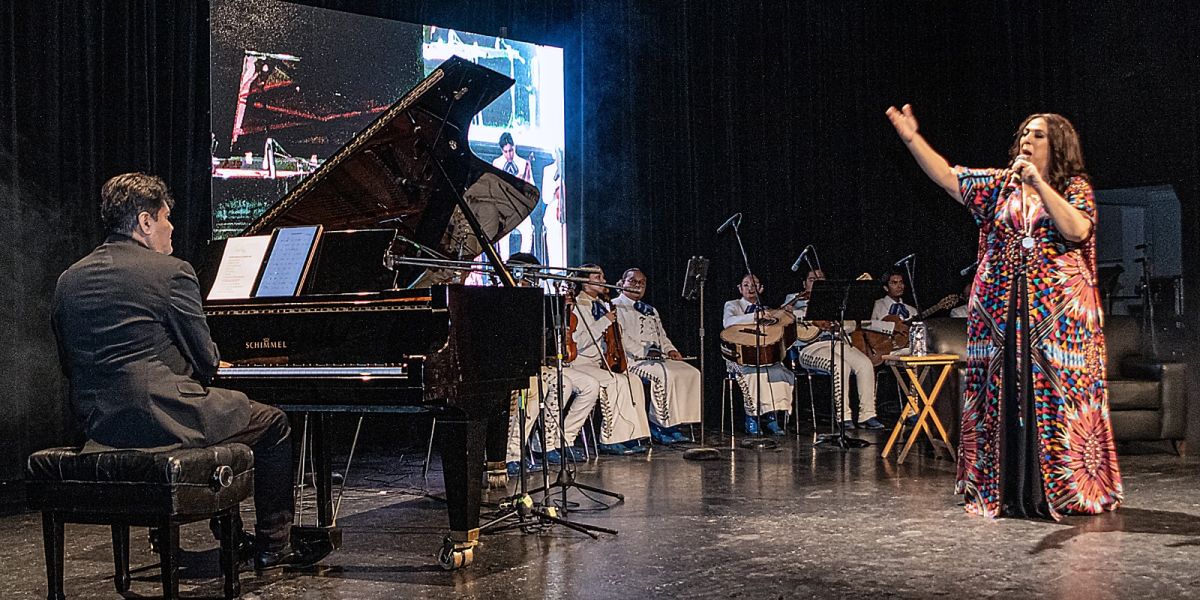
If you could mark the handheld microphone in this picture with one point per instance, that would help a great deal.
(905, 259)
(736, 218)
(1014, 177)
(799, 259)
(968, 269)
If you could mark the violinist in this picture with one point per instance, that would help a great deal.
(769, 386)
(674, 384)
(580, 390)
(622, 398)
(851, 362)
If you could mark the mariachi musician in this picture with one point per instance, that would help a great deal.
(579, 388)
(851, 362)
(674, 384)
(622, 399)
(765, 386)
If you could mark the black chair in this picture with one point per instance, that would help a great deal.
(124, 488)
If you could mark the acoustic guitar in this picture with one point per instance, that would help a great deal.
(877, 345)
(764, 344)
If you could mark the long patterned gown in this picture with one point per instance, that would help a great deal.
(1050, 373)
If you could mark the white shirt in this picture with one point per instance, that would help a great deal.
(641, 328)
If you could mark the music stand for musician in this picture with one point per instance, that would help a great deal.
(839, 300)
(693, 288)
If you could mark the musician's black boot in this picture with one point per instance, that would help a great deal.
(290, 556)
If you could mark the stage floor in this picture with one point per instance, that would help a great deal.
(795, 522)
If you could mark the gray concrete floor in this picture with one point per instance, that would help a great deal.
(796, 522)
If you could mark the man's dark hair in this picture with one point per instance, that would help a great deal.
(522, 258)
(506, 140)
(125, 196)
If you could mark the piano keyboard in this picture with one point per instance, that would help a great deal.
(355, 372)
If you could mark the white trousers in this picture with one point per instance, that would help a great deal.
(850, 362)
(585, 390)
(769, 387)
(622, 405)
(674, 391)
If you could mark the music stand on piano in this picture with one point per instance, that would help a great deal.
(838, 300)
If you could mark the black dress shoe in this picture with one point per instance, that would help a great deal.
(289, 556)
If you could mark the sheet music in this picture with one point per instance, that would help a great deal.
(289, 257)
(239, 267)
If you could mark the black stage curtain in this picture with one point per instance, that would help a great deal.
(680, 113)
(89, 90)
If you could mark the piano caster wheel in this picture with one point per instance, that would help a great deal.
(456, 555)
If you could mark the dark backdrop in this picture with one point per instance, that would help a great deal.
(679, 115)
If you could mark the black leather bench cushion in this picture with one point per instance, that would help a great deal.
(134, 482)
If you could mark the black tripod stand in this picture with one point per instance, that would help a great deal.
(836, 301)
(522, 506)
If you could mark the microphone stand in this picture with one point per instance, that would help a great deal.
(693, 286)
(912, 283)
(757, 441)
(522, 505)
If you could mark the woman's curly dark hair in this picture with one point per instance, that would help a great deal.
(1066, 155)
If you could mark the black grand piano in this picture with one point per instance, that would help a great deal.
(367, 333)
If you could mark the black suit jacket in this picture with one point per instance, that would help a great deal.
(133, 341)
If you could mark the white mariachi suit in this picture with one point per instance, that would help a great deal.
(554, 224)
(850, 362)
(622, 399)
(774, 381)
(585, 390)
(516, 168)
(674, 384)
(888, 306)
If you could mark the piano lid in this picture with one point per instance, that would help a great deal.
(406, 170)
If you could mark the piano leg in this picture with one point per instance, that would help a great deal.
(497, 445)
(324, 534)
(462, 446)
(323, 466)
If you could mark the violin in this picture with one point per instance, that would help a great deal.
(572, 349)
(614, 351)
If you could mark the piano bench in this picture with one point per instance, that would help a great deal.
(123, 488)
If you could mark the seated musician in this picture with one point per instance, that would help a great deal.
(135, 345)
(893, 303)
(674, 384)
(766, 389)
(579, 388)
(622, 399)
(850, 362)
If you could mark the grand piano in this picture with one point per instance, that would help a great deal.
(368, 333)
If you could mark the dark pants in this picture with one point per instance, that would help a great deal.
(268, 434)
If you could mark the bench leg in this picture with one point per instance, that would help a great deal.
(52, 542)
(169, 555)
(120, 543)
(229, 562)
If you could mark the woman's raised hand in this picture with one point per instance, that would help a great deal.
(904, 121)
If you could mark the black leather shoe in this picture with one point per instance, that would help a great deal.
(290, 557)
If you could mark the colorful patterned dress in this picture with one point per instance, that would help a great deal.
(1050, 373)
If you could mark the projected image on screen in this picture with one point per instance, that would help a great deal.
(292, 84)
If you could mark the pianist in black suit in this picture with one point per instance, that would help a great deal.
(134, 343)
